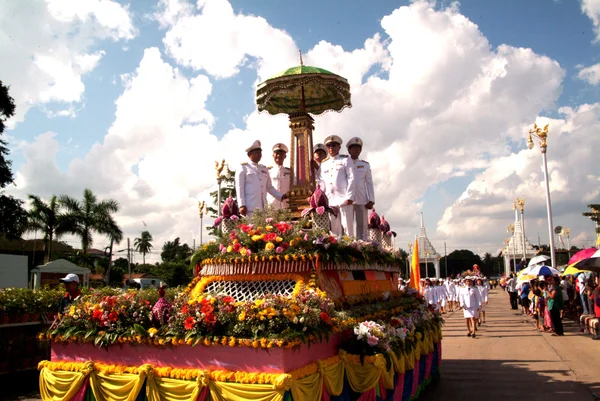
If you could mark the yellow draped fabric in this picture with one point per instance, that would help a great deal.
(116, 387)
(60, 385)
(220, 391)
(60, 381)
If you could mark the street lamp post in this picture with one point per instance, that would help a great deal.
(201, 211)
(521, 204)
(511, 230)
(542, 134)
(410, 246)
(568, 234)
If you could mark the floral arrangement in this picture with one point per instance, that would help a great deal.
(319, 204)
(384, 226)
(230, 211)
(374, 221)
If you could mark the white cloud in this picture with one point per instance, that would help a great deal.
(49, 58)
(590, 74)
(591, 8)
(442, 104)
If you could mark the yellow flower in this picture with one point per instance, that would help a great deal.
(242, 316)
(278, 239)
(270, 246)
(293, 243)
(251, 233)
(259, 302)
(243, 251)
(256, 238)
(152, 331)
(229, 248)
(287, 258)
(268, 228)
(72, 310)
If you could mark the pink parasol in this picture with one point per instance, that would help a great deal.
(581, 255)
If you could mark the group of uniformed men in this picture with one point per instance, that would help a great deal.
(346, 180)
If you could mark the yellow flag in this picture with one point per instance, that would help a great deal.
(415, 270)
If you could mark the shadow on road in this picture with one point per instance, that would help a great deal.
(467, 380)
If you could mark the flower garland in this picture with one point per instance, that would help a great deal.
(200, 283)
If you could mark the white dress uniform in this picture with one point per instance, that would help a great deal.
(363, 194)
(337, 181)
(470, 301)
(429, 295)
(280, 177)
(483, 292)
(253, 183)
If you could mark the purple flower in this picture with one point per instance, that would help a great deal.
(234, 218)
(218, 221)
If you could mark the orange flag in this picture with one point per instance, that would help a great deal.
(415, 270)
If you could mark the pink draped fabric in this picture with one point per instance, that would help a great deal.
(399, 388)
(382, 390)
(80, 395)
(203, 394)
(326, 396)
(415, 385)
(428, 365)
(369, 395)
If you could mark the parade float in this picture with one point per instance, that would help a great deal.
(279, 309)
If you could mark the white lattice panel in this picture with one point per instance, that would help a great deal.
(251, 290)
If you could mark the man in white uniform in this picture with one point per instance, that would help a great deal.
(364, 194)
(253, 182)
(337, 181)
(280, 176)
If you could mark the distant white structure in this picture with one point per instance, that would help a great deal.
(427, 253)
(514, 248)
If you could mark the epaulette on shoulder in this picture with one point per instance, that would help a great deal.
(287, 168)
(270, 167)
(364, 161)
(244, 163)
(344, 156)
(325, 159)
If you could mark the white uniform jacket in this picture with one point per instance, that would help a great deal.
(252, 184)
(280, 177)
(336, 180)
(363, 181)
(483, 292)
(470, 298)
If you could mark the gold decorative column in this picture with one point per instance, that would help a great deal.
(302, 183)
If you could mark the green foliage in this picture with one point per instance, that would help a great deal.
(227, 190)
(143, 244)
(174, 273)
(594, 215)
(175, 251)
(49, 219)
(13, 218)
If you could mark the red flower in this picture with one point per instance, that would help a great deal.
(207, 308)
(97, 315)
(232, 235)
(285, 245)
(113, 316)
(237, 247)
(245, 227)
(210, 318)
(283, 227)
(270, 237)
(228, 300)
(189, 323)
(184, 310)
(325, 317)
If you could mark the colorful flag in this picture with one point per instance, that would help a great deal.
(415, 269)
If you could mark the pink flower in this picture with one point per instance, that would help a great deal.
(279, 249)
(372, 340)
(321, 210)
(248, 252)
(234, 218)
(306, 237)
(269, 220)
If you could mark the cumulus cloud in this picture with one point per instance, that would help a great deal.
(590, 74)
(442, 103)
(48, 59)
(591, 8)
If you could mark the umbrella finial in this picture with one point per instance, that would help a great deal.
(300, 52)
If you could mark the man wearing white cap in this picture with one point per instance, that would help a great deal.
(71, 282)
(253, 183)
(337, 181)
(280, 176)
(319, 153)
(364, 194)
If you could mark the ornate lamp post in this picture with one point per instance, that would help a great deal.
(201, 210)
(410, 247)
(506, 242)
(542, 134)
(219, 169)
(568, 234)
(520, 202)
(511, 230)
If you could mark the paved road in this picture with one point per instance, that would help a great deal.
(510, 360)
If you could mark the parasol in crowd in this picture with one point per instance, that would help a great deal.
(542, 270)
(303, 89)
(581, 255)
(538, 260)
(592, 263)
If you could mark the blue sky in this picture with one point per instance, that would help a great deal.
(556, 29)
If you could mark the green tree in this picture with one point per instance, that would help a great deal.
(115, 235)
(90, 216)
(47, 218)
(175, 251)
(174, 273)
(227, 190)
(13, 218)
(594, 215)
(143, 244)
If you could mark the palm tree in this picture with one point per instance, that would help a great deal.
(89, 216)
(115, 234)
(47, 218)
(143, 244)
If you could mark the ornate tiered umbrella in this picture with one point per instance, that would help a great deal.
(299, 92)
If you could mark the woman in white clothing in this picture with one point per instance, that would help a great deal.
(483, 291)
(429, 293)
(470, 301)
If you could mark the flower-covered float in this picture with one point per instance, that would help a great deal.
(278, 310)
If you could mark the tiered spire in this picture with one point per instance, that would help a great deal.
(426, 250)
